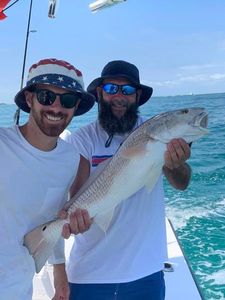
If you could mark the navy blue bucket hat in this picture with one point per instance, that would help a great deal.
(121, 69)
(58, 73)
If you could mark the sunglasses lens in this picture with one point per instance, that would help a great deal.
(110, 88)
(69, 100)
(45, 97)
(128, 90)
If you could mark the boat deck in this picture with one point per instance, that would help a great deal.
(180, 283)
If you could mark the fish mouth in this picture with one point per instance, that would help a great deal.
(202, 121)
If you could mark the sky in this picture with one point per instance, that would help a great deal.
(178, 46)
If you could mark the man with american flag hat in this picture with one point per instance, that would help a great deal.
(38, 168)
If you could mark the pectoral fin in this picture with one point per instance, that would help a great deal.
(134, 151)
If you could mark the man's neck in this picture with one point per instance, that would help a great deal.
(38, 139)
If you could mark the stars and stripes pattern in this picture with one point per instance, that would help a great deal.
(56, 72)
(64, 82)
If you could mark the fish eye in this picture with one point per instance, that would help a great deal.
(184, 111)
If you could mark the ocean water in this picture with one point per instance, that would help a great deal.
(198, 214)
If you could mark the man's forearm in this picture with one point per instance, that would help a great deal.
(179, 177)
(59, 271)
(60, 282)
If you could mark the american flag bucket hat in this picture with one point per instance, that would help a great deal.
(58, 73)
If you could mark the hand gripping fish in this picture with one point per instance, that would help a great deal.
(137, 163)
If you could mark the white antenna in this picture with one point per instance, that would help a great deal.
(100, 4)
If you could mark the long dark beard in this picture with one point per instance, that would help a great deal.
(112, 124)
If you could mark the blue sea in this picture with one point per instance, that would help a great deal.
(198, 214)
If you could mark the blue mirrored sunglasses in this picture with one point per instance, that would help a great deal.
(47, 97)
(112, 89)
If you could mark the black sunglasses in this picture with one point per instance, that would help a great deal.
(112, 89)
(67, 100)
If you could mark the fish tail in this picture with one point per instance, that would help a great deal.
(41, 241)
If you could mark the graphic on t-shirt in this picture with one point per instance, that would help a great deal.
(97, 159)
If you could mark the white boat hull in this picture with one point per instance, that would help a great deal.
(180, 283)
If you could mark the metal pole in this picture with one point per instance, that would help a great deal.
(17, 114)
(26, 43)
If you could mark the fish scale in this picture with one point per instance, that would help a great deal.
(96, 191)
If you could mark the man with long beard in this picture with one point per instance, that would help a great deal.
(37, 168)
(114, 122)
(126, 262)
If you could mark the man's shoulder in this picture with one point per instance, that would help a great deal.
(65, 134)
(7, 132)
(90, 126)
(7, 129)
(64, 146)
(86, 131)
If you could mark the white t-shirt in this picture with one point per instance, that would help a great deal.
(34, 185)
(134, 245)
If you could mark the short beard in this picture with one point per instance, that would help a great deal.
(112, 124)
(47, 129)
